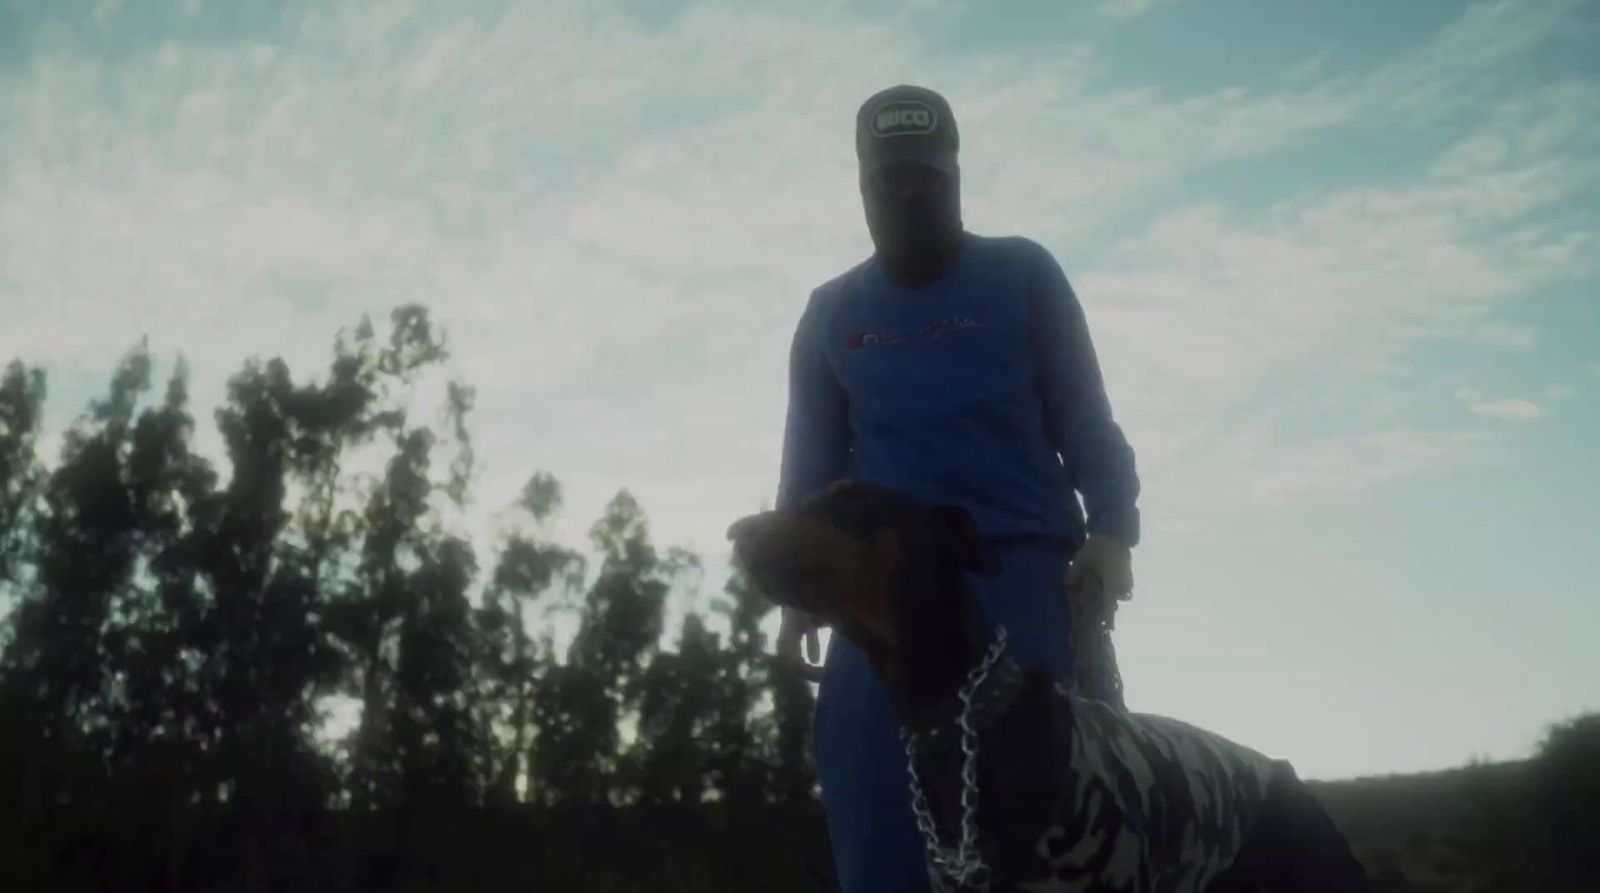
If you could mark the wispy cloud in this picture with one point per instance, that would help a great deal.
(618, 209)
(1357, 461)
(1308, 68)
(1129, 9)
(619, 220)
(1507, 335)
(1501, 409)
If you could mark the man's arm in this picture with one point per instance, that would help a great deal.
(1077, 412)
(816, 435)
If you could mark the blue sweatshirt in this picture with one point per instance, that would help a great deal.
(981, 389)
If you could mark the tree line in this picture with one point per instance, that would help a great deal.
(286, 668)
(180, 631)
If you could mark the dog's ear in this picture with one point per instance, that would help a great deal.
(962, 530)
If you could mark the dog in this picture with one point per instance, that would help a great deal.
(1020, 783)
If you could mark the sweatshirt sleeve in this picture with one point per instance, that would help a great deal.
(816, 435)
(1078, 416)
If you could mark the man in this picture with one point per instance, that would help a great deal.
(958, 368)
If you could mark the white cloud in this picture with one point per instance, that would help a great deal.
(105, 11)
(1456, 69)
(619, 219)
(1308, 68)
(619, 222)
(1499, 334)
(1501, 409)
(1128, 9)
(1356, 462)
(1508, 410)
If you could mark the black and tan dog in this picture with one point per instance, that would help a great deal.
(1071, 794)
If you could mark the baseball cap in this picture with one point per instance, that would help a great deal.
(906, 123)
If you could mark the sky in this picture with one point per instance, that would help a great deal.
(1339, 261)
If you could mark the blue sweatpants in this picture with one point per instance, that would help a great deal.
(860, 759)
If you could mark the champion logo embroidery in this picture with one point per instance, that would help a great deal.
(904, 117)
(862, 340)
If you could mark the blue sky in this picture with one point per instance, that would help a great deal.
(1339, 260)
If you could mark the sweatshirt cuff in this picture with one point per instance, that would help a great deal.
(1120, 524)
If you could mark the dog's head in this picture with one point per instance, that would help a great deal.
(884, 569)
(892, 574)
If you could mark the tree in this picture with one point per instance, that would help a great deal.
(183, 629)
(515, 665)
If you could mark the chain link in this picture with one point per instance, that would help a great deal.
(964, 864)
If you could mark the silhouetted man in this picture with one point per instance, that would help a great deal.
(959, 368)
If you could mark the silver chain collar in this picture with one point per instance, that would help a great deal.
(963, 865)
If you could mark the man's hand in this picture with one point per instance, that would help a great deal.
(1101, 574)
(795, 626)
(1106, 560)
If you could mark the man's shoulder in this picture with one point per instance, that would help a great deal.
(827, 297)
(838, 285)
(1009, 249)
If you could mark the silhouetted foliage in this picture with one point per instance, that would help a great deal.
(1568, 795)
(281, 668)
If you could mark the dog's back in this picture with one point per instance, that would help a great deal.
(1147, 802)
